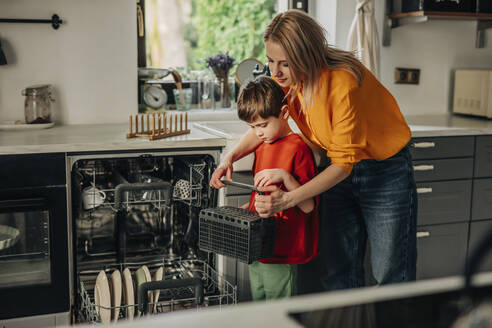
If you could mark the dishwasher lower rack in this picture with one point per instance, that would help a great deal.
(217, 291)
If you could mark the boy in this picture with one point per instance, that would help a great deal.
(283, 159)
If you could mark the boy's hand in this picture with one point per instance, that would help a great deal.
(224, 168)
(270, 176)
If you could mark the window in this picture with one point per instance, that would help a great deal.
(184, 33)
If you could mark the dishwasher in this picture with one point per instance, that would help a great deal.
(135, 232)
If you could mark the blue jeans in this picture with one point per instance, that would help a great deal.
(376, 204)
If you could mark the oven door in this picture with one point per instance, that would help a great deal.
(34, 276)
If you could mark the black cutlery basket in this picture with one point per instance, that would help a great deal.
(237, 233)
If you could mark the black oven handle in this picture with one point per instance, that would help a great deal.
(22, 203)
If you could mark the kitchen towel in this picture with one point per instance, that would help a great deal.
(363, 36)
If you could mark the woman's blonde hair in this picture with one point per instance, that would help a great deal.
(308, 53)
(261, 97)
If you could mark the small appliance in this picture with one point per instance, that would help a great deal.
(473, 92)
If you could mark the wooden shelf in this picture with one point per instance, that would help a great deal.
(393, 20)
(442, 15)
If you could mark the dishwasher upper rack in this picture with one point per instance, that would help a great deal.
(217, 290)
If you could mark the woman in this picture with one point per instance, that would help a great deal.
(368, 190)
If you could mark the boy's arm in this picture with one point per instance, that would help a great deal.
(272, 176)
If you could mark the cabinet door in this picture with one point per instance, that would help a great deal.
(442, 147)
(477, 231)
(441, 250)
(443, 202)
(483, 158)
(482, 199)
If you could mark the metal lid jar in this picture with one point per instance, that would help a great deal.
(37, 106)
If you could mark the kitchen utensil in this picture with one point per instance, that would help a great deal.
(242, 185)
(37, 105)
(92, 197)
(244, 70)
(152, 73)
(157, 277)
(178, 80)
(161, 126)
(115, 289)
(8, 236)
(3, 59)
(102, 297)
(183, 98)
(128, 294)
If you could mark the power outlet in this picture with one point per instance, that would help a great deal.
(407, 75)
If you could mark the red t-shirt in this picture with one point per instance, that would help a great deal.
(296, 239)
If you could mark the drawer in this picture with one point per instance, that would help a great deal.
(482, 199)
(243, 177)
(441, 250)
(483, 158)
(478, 230)
(442, 147)
(443, 169)
(443, 202)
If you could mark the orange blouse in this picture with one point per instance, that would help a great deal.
(352, 122)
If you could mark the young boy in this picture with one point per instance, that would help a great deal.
(283, 159)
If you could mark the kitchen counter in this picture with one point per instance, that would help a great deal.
(227, 130)
(92, 138)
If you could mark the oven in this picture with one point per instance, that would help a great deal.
(34, 261)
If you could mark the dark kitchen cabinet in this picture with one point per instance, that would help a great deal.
(477, 231)
(443, 168)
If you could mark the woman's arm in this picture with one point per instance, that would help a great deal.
(247, 144)
(291, 184)
(278, 200)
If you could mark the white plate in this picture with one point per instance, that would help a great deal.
(128, 295)
(157, 277)
(10, 125)
(115, 294)
(102, 297)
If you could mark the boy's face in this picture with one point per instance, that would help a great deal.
(272, 128)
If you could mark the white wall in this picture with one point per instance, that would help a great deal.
(436, 47)
(91, 60)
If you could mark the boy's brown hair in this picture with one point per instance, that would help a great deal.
(260, 97)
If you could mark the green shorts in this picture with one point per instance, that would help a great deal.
(271, 281)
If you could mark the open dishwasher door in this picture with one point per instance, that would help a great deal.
(135, 217)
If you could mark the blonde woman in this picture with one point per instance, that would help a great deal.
(368, 191)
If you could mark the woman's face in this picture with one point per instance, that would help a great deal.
(277, 62)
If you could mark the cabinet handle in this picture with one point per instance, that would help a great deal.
(423, 234)
(423, 167)
(423, 144)
(424, 190)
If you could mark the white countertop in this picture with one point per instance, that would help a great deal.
(112, 137)
(91, 138)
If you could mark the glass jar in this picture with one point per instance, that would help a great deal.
(37, 106)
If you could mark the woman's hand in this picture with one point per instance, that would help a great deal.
(270, 176)
(224, 168)
(267, 205)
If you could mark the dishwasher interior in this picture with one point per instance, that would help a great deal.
(135, 221)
